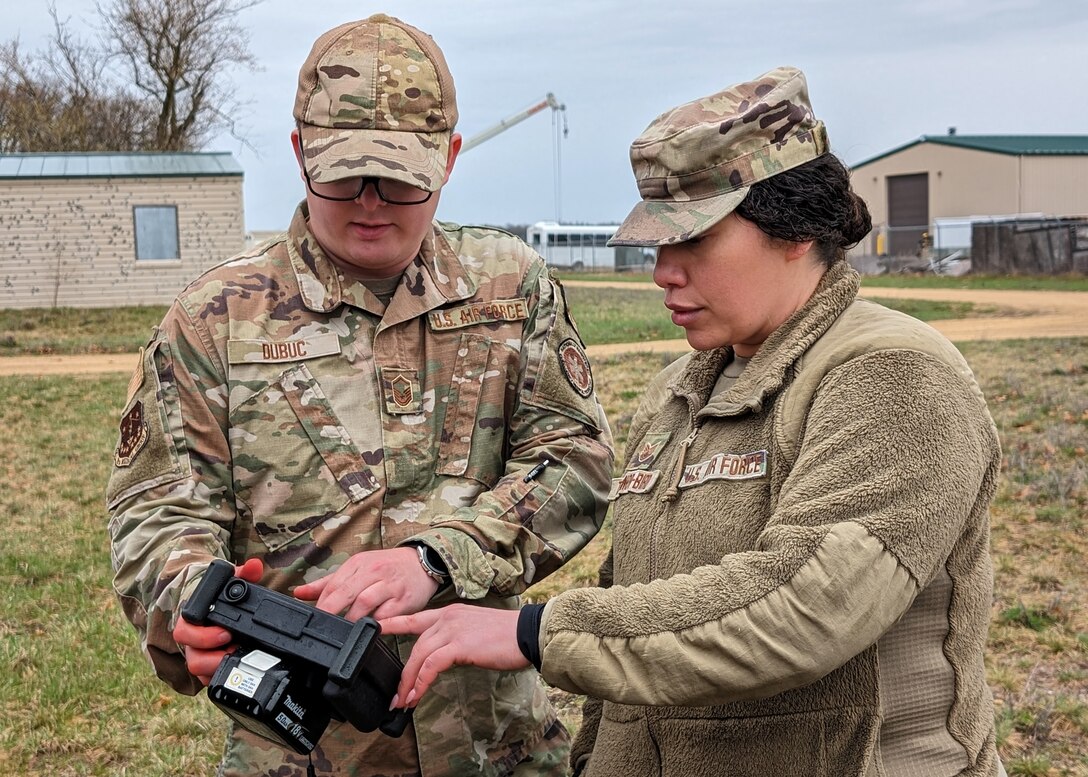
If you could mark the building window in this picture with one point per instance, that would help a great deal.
(156, 229)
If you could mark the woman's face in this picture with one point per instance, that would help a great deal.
(733, 285)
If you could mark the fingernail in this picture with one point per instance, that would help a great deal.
(411, 698)
(394, 704)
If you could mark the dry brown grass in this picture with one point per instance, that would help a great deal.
(1038, 656)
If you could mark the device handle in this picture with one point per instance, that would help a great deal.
(196, 609)
(346, 668)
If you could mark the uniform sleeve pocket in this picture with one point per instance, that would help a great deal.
(151, 443)
(472, 434)
(563, 377)
(294, 463)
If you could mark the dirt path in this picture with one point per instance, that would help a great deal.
(1036, 314)
(80, 364)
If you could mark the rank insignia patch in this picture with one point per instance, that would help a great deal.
(402, 392)
(576, 367)
(646, 453)
(133, 436)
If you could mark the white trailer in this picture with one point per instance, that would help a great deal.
(585, 247)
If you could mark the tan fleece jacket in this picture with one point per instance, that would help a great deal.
(801, 567)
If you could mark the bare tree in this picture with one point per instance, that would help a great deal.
(63, 100)
(177, 54)
(156, 79)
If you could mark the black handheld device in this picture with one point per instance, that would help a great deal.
(297, 667)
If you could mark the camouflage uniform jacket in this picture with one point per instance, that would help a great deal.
(282, 412)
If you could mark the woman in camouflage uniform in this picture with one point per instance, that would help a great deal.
(800, 579)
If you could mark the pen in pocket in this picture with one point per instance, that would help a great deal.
(536, 470)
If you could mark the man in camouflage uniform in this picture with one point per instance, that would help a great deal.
(390, 413)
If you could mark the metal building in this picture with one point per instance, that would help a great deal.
(102, 230)
(932, 189)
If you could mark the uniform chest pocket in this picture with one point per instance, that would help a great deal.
(294, 464)
(473, 437)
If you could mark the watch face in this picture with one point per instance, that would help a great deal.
(432, 563)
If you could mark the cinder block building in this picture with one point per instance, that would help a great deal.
(103, 230)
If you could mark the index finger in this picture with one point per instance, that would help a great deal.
(412, 685)
(416, 623)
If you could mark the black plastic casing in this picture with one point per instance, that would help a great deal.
(357, 672)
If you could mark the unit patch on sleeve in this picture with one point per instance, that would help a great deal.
(134, 436)
(726, 466)
(576, 367)
(479, 313)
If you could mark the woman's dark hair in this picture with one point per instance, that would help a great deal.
(813, 201)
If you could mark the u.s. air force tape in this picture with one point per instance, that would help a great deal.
(479, 313)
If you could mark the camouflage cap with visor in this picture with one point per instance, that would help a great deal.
(695, 163)
(376, 98)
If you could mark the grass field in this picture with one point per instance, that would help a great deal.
(77, 698)
(605, 315)
(77, 330)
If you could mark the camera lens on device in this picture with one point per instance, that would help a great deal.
(236, 591)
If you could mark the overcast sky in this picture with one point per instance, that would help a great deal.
(881, 73)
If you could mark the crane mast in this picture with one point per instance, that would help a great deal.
(549, 101)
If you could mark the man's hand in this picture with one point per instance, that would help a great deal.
(454, 636)
(378, 583)
(205, 646)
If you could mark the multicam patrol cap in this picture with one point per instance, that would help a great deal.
(695, 163)
(376, 98)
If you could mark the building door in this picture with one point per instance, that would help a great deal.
(908, 212)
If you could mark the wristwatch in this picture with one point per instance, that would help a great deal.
(432, 564)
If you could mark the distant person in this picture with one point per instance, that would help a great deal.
(800, 578)
(379, 411)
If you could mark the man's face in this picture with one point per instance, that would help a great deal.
(369, 237)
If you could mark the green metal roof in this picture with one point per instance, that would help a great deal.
(1013, 145)
(130, 165)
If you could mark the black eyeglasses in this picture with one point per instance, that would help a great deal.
(347, 189)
